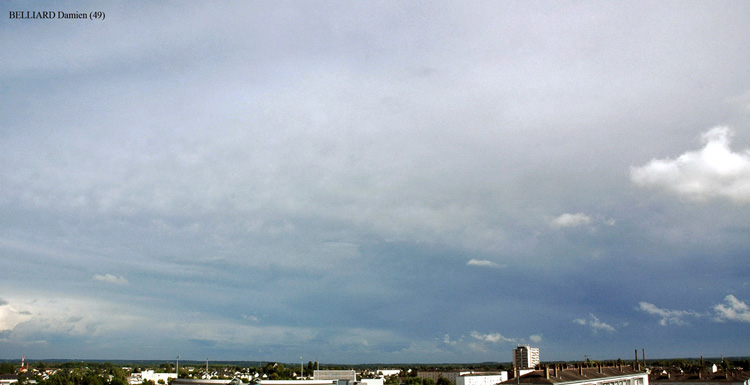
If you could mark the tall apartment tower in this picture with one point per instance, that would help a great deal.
(525, 357)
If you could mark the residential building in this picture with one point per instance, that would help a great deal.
(371, 381)
(138, 378)
(482, 378)
(344, 375)
(436, 374)
(298, 382)
(203, 381)
(389, 372)
(7, 379)
(525, 357)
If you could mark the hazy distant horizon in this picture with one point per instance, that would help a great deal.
(293, 364)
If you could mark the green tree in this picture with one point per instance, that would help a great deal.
(724, 365)
(40, 365)
(7, 368)
(92, 379)
(118, 381)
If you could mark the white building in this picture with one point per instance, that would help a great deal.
(346, 375)
(389, 372)
(371, 381)
(435, 375)
(203, 381)
(297, 382)
(482, 378)
(150, 375)
(525, 357)
(7, 379)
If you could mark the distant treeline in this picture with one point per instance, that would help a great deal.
(98, 372)
(11, 366)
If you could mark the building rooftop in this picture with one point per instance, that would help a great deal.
(481, 374)
(731, 376)
(567, 375)
(191, 381)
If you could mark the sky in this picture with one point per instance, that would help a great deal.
(375, 181)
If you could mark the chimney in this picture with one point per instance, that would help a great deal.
(554, 368)
(580, 369)
(644, 358)
(546, 372)
(600, 368)
(636, 364)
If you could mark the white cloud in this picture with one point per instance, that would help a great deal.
(595, 324)
(714, 171)
(482, 263)
(492, 337)
(110, 279)
(535, 338)
(88, 319)
(673, 317)
(10, 316)
(732, 310)
(447, 340)
(44, 320)
(478, 347)
(571, 220)
(580, 219)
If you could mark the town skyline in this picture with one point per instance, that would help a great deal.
(374, 181)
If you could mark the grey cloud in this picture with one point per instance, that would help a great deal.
(342, 179)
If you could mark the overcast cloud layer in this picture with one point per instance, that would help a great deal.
(375, 181)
